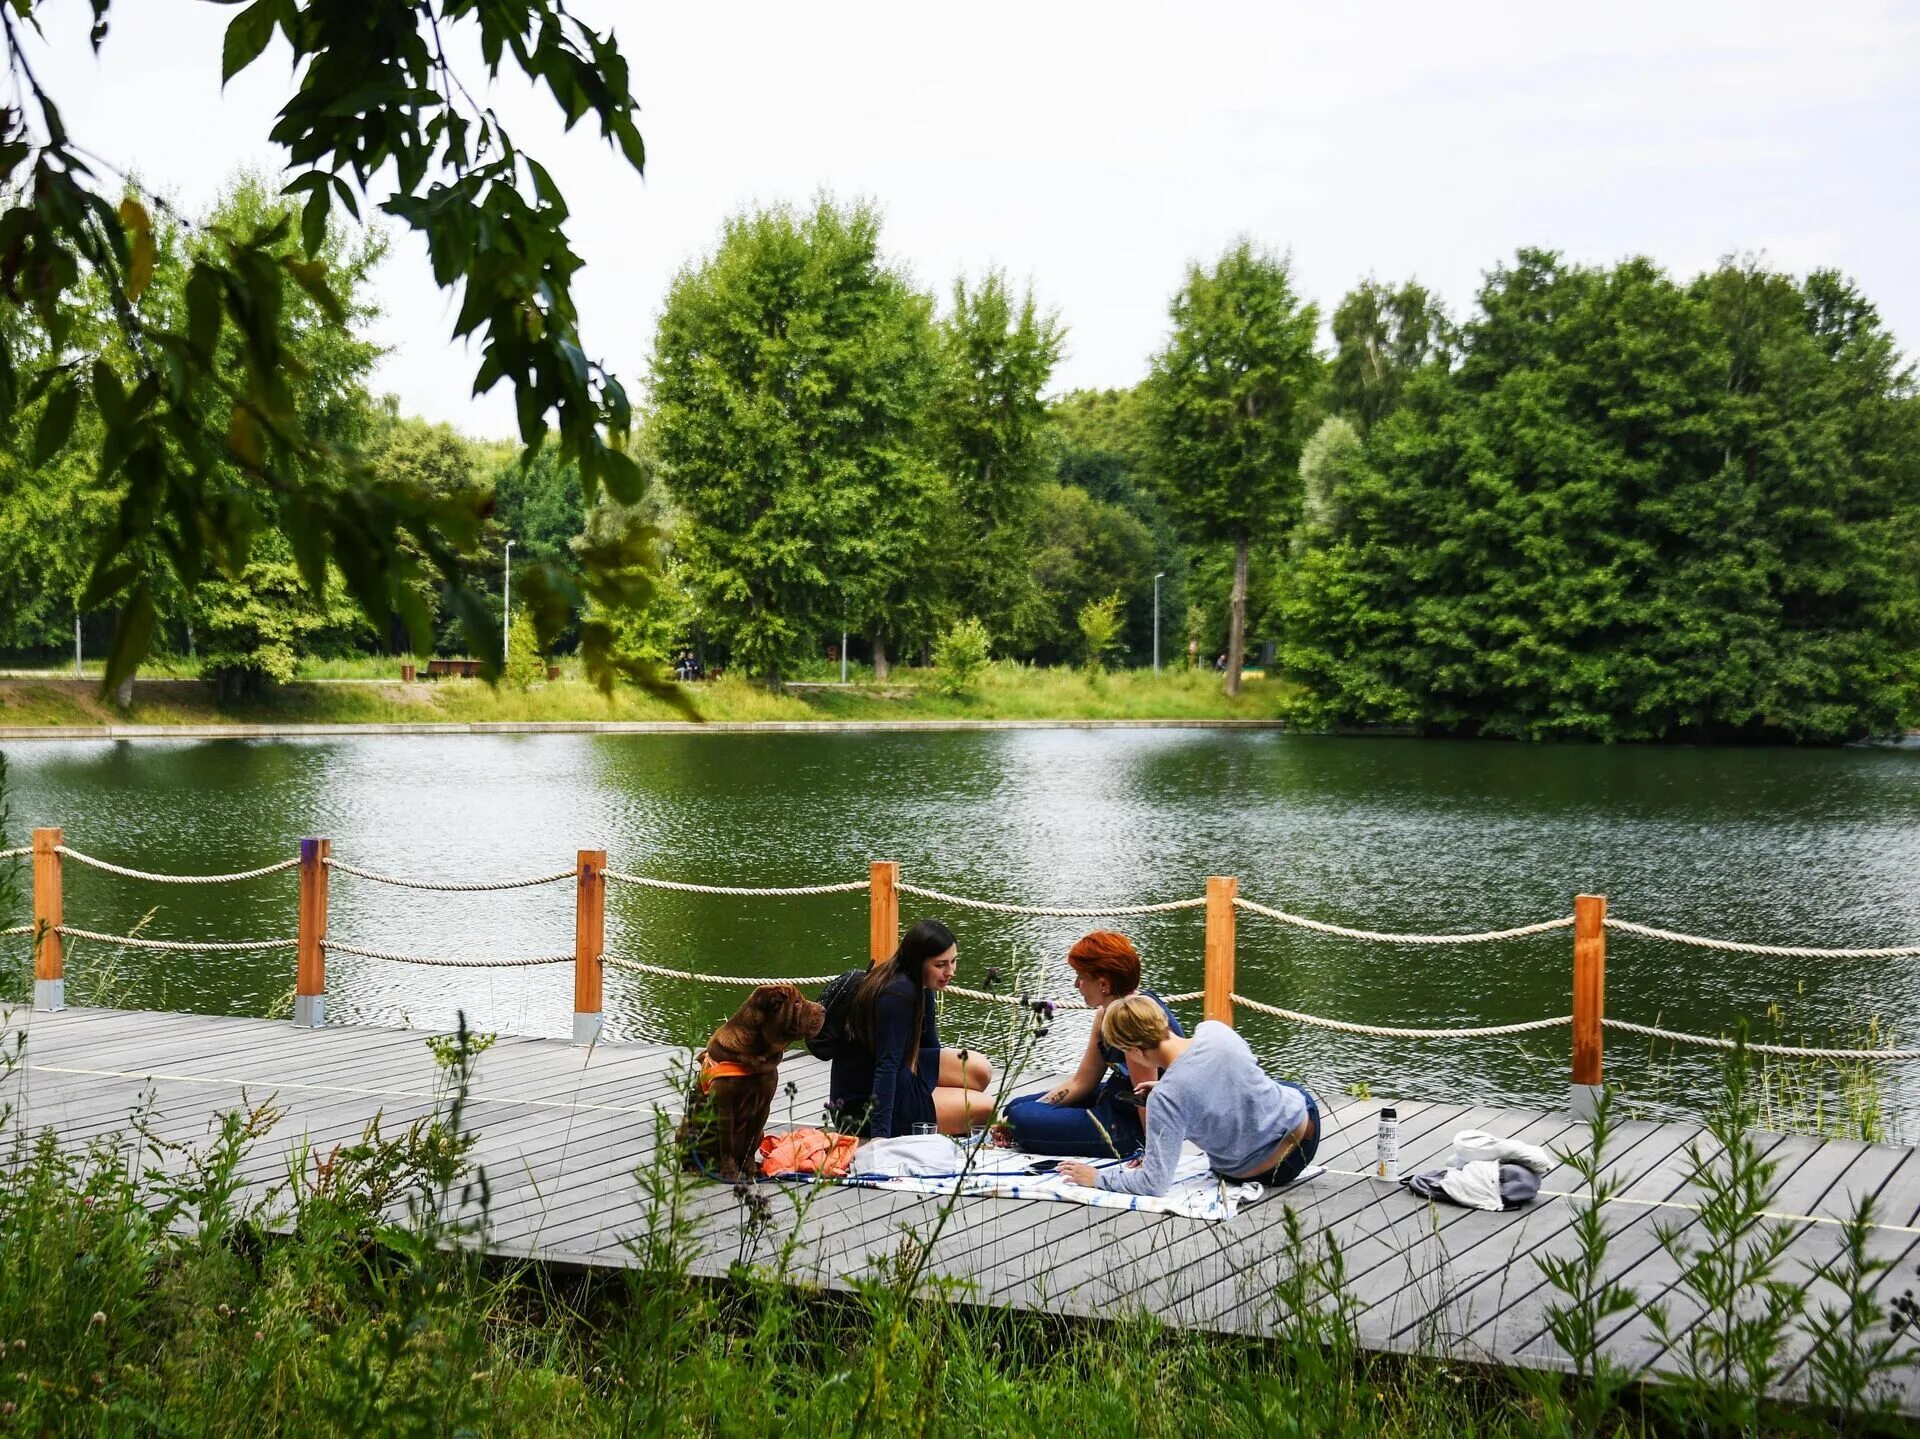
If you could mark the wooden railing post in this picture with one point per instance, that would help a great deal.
(883, 910)
(1217, 984)
(589, 944)
(1589, 999)
(49, 949)
(310, 979)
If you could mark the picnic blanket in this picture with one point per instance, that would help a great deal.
(1008, 1174)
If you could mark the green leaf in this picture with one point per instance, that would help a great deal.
(203, 311)
(131, 636)
(109, 396)
(244, 439)
(247, 36)
(313, 222)
(56, 421)
(139, 227)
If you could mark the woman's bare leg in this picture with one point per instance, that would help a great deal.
(960, 1110)
(974, 1073)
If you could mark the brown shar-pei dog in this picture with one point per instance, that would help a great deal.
(735, 1079)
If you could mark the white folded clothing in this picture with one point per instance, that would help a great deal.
(1472, 1146)
(909, 1155)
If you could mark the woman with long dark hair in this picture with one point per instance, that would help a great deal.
(891, 1075)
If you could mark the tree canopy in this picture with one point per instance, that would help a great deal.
(1226, 398)
(1638, 509)
(203, 456)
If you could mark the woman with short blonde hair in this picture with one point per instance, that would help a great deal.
(1212, 1091)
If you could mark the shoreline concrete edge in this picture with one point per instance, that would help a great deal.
(12, 733)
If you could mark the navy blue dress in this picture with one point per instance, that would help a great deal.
(872, 1089)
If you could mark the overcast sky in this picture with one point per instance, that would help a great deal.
(1094, 150)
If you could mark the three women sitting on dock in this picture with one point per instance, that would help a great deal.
(890, 1076)
(1096, 1113)
(1211, 1091)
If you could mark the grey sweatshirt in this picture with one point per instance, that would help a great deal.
(1217, 1095)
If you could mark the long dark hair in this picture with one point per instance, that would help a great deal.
(924, 939)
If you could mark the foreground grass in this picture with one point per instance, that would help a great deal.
(1005, 692)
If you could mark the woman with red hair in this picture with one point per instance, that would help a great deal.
(1097, 1113)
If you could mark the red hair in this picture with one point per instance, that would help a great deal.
(1109, 956)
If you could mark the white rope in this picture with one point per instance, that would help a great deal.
(17, 929)
(1491, 1031)
(634, 966)
(1114, 912)
(1792, 1051)
(742, 891)
(994, 997)
(87, 859)
(1784, 951)
(449, 886)
(183, 946)
(1486, 937)
(16, 853)
(439, 962)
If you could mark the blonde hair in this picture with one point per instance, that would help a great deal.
(1135, 1022)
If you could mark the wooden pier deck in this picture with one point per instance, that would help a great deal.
(561, 1130)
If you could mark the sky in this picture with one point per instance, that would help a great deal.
(1095, 151)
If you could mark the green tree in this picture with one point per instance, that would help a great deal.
(991, 429)
(1082, 550)
(1329, 463)
(526, 665)
(207, 456)
(1637, 510)
(1224, 403)
(1381, 336)
(792, 374)
(1099, 631)
(254, 627)
(960, 656)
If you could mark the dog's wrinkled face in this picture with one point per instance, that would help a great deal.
(782, 1014)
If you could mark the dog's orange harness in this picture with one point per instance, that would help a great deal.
(712, 1069)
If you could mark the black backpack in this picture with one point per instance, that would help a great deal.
(837, 999)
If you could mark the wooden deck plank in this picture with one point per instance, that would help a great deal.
(560, 1131)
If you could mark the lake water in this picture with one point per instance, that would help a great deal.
(1814, 847)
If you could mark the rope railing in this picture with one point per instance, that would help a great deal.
(1123, 911)
(661, 971)
(736, 891)
(1387, 937)
(92, 863)
(532, 961)
(1383, 1031)
(1782, 951)
(444, 886)
(175, 946)
(1790, 1051)
(590, 875)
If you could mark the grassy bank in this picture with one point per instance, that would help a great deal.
(147, 1289)
(1005, 692)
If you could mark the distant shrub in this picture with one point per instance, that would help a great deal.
(1100, 631)
(959, 657)
(526, 666)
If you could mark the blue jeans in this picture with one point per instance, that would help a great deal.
(1109, 1128)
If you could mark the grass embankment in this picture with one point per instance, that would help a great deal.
(144, 1289)
(1004, 692)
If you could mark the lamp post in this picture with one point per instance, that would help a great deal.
(1156, 622)
(506, 607)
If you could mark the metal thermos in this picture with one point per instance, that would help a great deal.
(1386, 1145)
